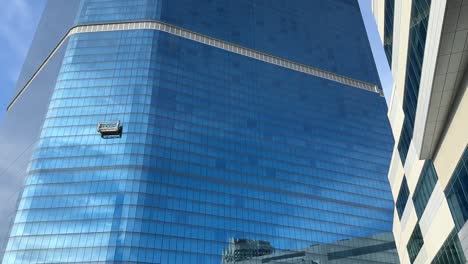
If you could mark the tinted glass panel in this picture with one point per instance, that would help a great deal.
(388, 29)
(402, 197)
(212, 146)
(426, 183)
(451, 251)
(417, 42)
(280, 27)
(405, 139)
(457, 192)
(415, 243)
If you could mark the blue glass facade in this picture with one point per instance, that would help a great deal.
(294, 30)
(214, 145)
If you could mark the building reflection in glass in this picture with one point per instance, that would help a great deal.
(375, 249)
(245, 249)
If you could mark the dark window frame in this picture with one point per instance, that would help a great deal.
(451, 251)
(403, 197)
(389, 15)
(456, 191)
(416, 46)
(415, 243)
(424, 188)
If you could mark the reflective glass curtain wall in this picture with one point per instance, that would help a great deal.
(214, 145)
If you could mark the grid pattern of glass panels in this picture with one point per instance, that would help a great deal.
(451, 251)
(457, 192)
(415, 243)
(202, 39)
(226, 46)
(416, 45)
(402, 198)
(388, 29)
(98, 11)
(279, 27)
(426, 183)
(215, 146)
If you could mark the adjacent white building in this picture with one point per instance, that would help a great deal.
(426, 43)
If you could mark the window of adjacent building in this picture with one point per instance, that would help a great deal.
(388, 27)
(451, 251)
(415, 243)
(416, 45)
(405, 139)
(457, 192)
(402, 198)
(426, 183)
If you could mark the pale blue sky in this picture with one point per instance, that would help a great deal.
(18, 21)
(19, 18)
(377, 48)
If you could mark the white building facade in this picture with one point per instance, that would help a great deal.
(426, 43)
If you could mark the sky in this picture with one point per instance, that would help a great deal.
(19, 19)
(377, 48)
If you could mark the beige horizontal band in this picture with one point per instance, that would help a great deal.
(197, 37)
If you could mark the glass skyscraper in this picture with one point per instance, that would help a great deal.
(246, 120)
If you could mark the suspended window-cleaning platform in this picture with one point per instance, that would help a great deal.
(110, 129)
